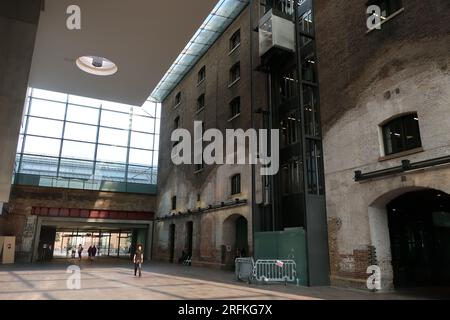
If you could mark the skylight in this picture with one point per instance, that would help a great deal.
(223, 14)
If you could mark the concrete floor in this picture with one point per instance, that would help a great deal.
(114, 279)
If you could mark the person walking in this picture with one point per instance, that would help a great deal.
(138, 259)
(93, 252)
(80, 251)
(90, 252)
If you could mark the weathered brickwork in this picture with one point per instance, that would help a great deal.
(213, 235)
(367, 78)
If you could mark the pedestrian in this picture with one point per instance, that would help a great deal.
(80, 251)
(93, 252)
(138, 259)
(90, 252)
(73, 252)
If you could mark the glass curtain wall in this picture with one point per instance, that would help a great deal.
(69, 141)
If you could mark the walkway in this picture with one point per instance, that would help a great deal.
(114, 279)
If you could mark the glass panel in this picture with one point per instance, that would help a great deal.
(47, 109)
(114, 106)
(155, 159)
(111, 154)
(314, 168)
(290, 129)
(44, 127)
(111, 172)
(156, 144)
(83, 101)
(157, 124)
(311, 115)
(49, 95)
(22, 126)
(76, 169)
(148, 109)
(393, 137)
(287, 86)
(158, 111)
(141, 157)
(142, 140)
(412, 132)
(42, 146)
(39, 165)
(20, 144)
(140, 175)
(78, 150)
(308, 69)
(113, 137)
(82, 114)
(115, 120)
(80, 132)
(143, 124)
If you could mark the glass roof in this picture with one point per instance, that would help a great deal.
(212, 28)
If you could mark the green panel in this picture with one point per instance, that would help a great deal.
(142, 237)
(284, 245)
(28, 179)
(141, 188)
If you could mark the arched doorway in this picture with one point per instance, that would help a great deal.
(419, 232)
(235, 239)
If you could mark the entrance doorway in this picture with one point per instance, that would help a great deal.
(419, 229)
(235, 239)
(46, 243)
(241, 241)
(109, 243)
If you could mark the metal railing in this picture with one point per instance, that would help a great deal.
(266, 271)
(275, 271)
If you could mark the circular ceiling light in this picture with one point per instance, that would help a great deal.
(97, 65)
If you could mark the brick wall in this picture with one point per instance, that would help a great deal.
(24, 198)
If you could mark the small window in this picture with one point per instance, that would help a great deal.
(401, 134)
(388, 7)
(176, 123)
(174, 203)
(236, 184)
(201, 102)
(235, 40)
(235, 73)
(201, 75)
(235, 107)
(177, 99)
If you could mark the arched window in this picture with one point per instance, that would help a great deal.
(401, 134)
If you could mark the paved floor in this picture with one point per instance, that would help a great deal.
(115, 280)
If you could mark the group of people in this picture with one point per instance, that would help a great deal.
(92, 252)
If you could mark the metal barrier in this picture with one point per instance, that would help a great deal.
(275, 271)
(244, 269)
